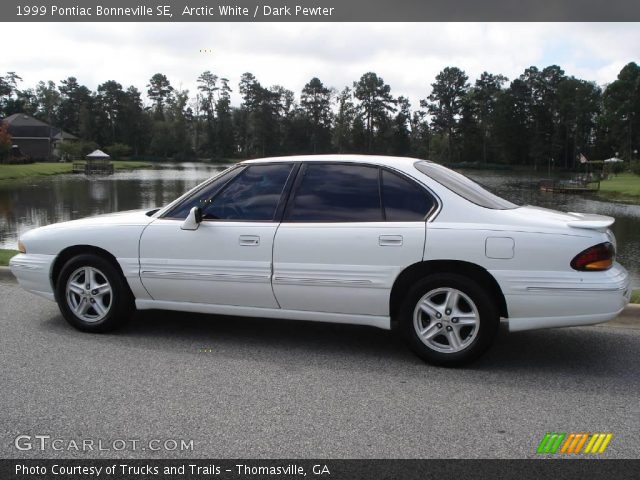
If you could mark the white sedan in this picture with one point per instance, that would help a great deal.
(380, 241)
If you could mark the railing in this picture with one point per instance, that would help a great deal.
(93, 168)
(569, 186)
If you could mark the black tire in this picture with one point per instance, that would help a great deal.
(97, 318)
(437, 332)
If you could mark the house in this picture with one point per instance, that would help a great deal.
(35, 138)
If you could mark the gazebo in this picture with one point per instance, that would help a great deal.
(98, 162)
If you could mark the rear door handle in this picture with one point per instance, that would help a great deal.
(390, 240)
(249, 240)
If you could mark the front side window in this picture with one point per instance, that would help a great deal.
(337, 193)
(253, 195)
(202, 196)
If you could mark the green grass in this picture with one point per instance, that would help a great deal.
(622, 185)
(12, 172)
(5, 256)
(9, 172)
(635, 296)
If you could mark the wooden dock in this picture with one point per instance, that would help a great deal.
(569, 186)
(94, 167)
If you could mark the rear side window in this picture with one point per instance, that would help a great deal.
(337, 193)
(404, 200)
(463, 186)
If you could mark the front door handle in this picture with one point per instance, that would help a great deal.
(249, 240)
(390, 240)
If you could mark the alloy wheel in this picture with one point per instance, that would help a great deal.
(446, 320)
(89, 294)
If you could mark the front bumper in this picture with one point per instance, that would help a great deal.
(563, 299)
(33, 272)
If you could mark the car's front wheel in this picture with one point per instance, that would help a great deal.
(448, 319)
(92, 294)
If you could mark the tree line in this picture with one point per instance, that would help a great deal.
(542, 115)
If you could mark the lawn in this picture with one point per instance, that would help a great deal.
(12, 172)
(5, 256)
(625, 185)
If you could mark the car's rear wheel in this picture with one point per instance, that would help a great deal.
(448, 319)
(92, 294)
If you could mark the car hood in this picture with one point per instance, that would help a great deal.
(117, 233)
(130, 217)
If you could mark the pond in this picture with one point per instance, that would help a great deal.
(26, 204)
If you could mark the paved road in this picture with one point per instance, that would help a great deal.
(261, 388)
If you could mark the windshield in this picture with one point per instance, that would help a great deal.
(463, 186)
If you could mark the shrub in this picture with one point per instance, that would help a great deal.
(68, 150)
(617, 167)
(5, 141)
(86, 147)
(118, 150)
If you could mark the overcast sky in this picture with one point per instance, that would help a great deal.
(406, 55)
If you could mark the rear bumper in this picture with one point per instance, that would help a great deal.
(563, 299)
(33, 273)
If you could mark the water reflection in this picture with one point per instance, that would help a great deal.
(40, 201)
(43, 200)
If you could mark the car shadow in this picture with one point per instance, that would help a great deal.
(292, 341)
(592, 351)
(589, 350)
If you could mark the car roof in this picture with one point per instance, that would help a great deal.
(397, 162)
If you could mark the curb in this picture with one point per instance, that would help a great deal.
(6, 275)
(629, 316)
(632, 308)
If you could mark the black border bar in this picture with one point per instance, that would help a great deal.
(227, 469)
(320, 10)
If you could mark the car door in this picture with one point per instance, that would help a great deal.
(347, 232)
(227, 259)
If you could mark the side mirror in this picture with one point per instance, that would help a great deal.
(192, 222)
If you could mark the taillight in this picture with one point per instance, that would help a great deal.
(598, 257)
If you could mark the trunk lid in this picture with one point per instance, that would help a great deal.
(546, 217)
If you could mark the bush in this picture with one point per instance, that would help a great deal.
(75, 150)
(635, 167)
(68, 150)
(617, 167)
(5, 141)
(86, 147)
(118, 151)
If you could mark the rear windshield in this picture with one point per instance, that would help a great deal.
(463, 186)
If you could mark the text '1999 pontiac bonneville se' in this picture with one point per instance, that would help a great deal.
(380, 241)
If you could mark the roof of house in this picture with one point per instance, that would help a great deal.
(23, 125)
(24, 120)
(62, 135)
